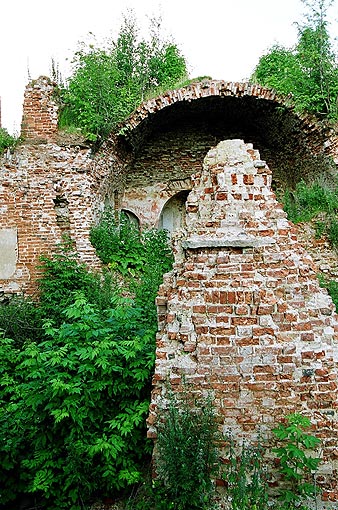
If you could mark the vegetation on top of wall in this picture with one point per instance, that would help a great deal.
(316, 202)
(308, 72)
(308, 200)
(109, 82)
(7, 141)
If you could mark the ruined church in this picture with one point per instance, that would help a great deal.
(241, 314)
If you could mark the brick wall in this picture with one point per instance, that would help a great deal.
(40, 111)
(45, 192)
(242, 314)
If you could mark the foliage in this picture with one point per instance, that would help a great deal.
(142, 257)
(246, 477)
(331, 286)
(6, 140)
(62, 275)
(109, 83)
(21, 320)
(307, 201)
(73, 408)
(75, 379)
(296, 462)
(119, 243)
(186, 455)
(307, 72)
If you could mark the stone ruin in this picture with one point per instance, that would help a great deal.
(241, 315)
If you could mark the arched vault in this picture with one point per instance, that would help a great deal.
(167, 137)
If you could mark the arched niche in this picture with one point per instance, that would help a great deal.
(173, 213)
(131, 217)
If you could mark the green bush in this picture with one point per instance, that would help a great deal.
(246, 476)
(118, 244)
(6, 140)
(75, 379)
(141, 258)
(62, 275)
(186, 455)
(73, 408)
(296, 462)
(21, 319)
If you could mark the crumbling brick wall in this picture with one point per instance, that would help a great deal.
(40, 111)
(47, 192)
(242, 315)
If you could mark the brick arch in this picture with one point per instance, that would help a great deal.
(221, 89)
(235, 110)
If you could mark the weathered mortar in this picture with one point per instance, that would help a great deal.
(242, 314)
(40, 111)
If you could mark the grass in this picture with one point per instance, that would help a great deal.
(313, 201)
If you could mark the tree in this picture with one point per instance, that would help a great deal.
(109, 83)
(309, 70)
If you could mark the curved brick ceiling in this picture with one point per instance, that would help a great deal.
(293, 145)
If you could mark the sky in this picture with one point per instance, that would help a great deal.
(223, 39)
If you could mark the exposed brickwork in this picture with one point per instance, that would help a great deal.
(317, 137)
(47, 191)
(40, 111)
(242, 313)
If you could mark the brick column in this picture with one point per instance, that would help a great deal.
(40, 111)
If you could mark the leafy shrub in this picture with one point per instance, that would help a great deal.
(141, 258)
(63, 274)
(73, 408)
(296, 463)
(6, 140)
(75, 395)
(118, 244)
(186, 456)
(21, 320)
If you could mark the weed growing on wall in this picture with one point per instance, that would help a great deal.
(331, 286)
(246, 476)
(297, 464)
(309, 201)
(186, 455)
